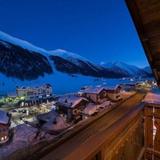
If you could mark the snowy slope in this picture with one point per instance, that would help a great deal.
(62, 83)
(72, 63)
(4, 38)
(23, 60)
(72, 57)
(67, 55)
(126, 69)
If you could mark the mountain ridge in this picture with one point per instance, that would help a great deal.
(22, 60)
(128, 69)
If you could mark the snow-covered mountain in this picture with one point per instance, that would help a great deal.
(22, 63)
(72, 63)
(126, 69)
(22, 60)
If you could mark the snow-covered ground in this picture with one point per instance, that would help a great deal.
(24, 142)
(22, 138)
(61, 82)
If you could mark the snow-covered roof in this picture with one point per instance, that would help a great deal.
(59, 125)
(96, 90)
(4, 117)
(104, 104)
(152, 98)
(48, 117)
(70, 100)
(90, 109)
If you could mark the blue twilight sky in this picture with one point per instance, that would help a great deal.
(100, 30)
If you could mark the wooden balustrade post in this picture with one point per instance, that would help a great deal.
(148, 126)
(157, 125)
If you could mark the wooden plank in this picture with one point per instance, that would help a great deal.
(145, 3)
(157, 136)
(150, 14)
(157, 125)
(129, 144)
(146, 17)
(157, 112)
(148, 132)
(151, 154)
(148, 126)
(152, 29)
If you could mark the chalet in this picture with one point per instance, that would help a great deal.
(72, 106)
(90, 109)
(96, 95)
(99, 95)
(114, 94)
(47, 117)
(5, 120)
(52, 122)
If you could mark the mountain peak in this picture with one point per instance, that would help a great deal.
(67, 55)
(59, 50)
(21, 43)
(14, 60)
(126, 68)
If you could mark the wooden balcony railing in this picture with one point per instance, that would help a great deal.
(129, 132)
(152, 131)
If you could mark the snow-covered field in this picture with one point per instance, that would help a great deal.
(61, 82)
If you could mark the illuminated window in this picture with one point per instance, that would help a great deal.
(2, 138)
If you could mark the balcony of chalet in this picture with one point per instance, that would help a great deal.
(130, 131)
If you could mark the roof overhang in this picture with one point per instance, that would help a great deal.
(146, 16)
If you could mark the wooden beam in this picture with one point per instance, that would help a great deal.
(146, 17)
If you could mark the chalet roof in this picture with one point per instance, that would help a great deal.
(90, 108)
(96, 90)
(48, 117)
(4, 117)
(146, 16)
(70, 100)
